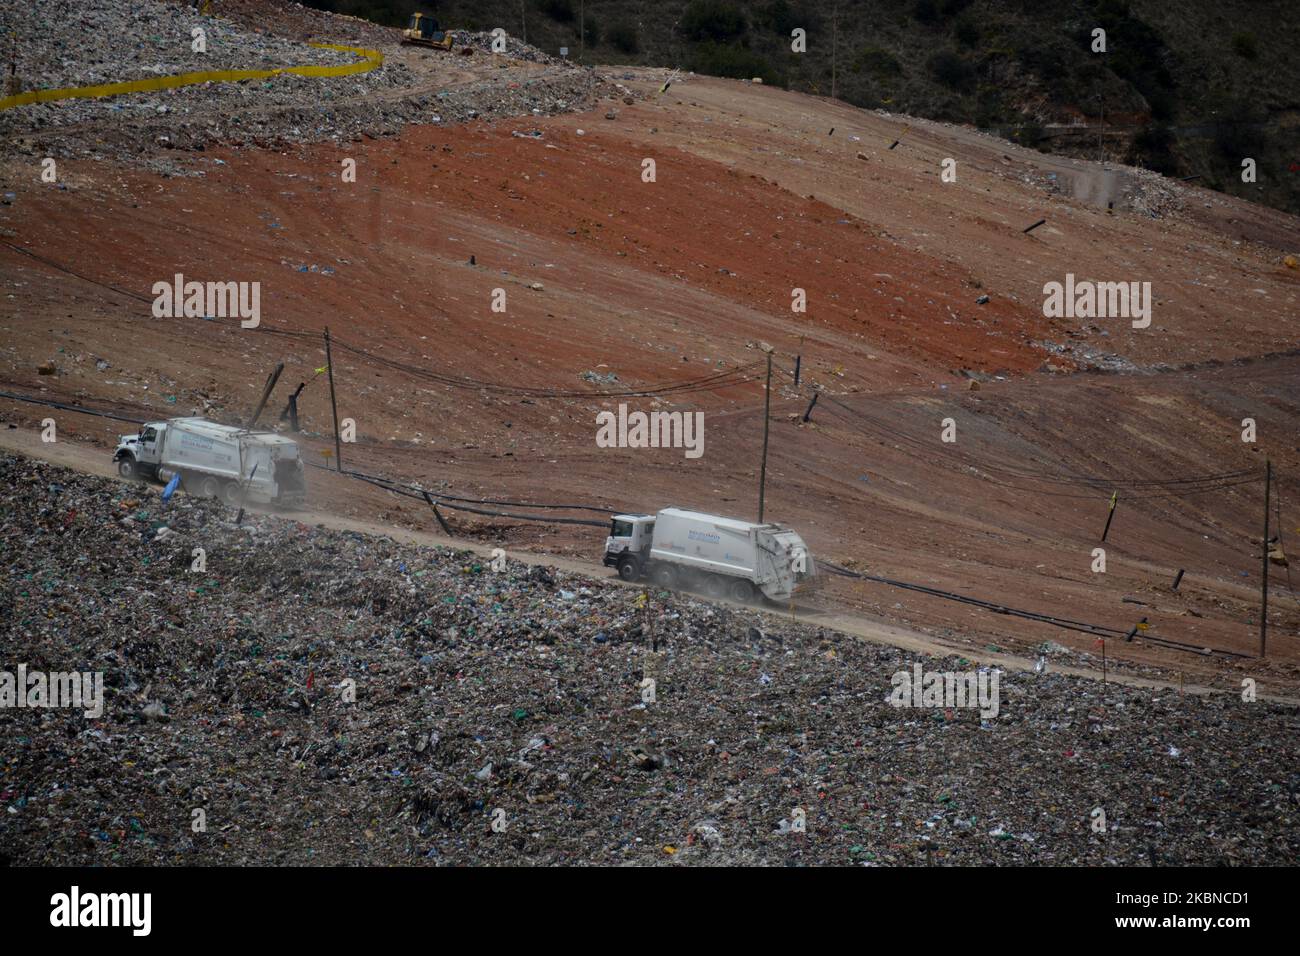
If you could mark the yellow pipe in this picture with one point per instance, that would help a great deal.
(370, 60)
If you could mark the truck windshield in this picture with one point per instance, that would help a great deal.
(620, 529)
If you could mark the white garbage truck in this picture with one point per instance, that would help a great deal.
(723, 557)
(234, 464)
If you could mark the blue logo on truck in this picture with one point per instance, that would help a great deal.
(191, 441)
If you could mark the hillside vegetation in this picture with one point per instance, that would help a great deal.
(1187, 89)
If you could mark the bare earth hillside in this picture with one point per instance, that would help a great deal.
(489, 178)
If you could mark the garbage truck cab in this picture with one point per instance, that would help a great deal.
(144, 448)
(628, 545)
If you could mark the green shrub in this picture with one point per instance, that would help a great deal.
(1162, 101)
(623, 37)
(717, 59)
(559, 10)
(862, 99)
(1138, 52)
(1047, 59)
(1234, 139)
(1153, 148)
(1029, 134)
(1244, 45)
(925, 11)
(967, 32)
(950, 69)
(879, 63)
(712, 20)
(782, 18)
(989, 109)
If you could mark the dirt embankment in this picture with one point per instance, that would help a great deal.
(665, 283)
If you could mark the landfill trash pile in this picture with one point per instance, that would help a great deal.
(1145, 192)
(297, 21)
(61, 43)
(68, 45)
(565, 90)
(515, 48)
(313, 696)
(1151, 194)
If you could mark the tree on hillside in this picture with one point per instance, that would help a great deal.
(712, 20)
(559, 10)
(623, 37)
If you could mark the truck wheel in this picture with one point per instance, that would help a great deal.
(715, 585)
(209, 487)
(628, 569)
(664, 575)
(126, 468)
(230, 493)
(742, 591)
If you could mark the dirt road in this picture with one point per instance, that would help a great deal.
(92, 461)
(614, 285)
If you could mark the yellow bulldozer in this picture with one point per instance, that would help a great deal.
(423, 31)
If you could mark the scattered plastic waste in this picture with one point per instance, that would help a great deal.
(328, 698)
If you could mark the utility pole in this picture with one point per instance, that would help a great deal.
(1114, 497)
(835, 42)
(266, 394)
(1263, 588)
(767, 406)
(329, 364)
(807, 415)
(1101, 129)
(582, 29)
(291, 409)
(523, 18)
